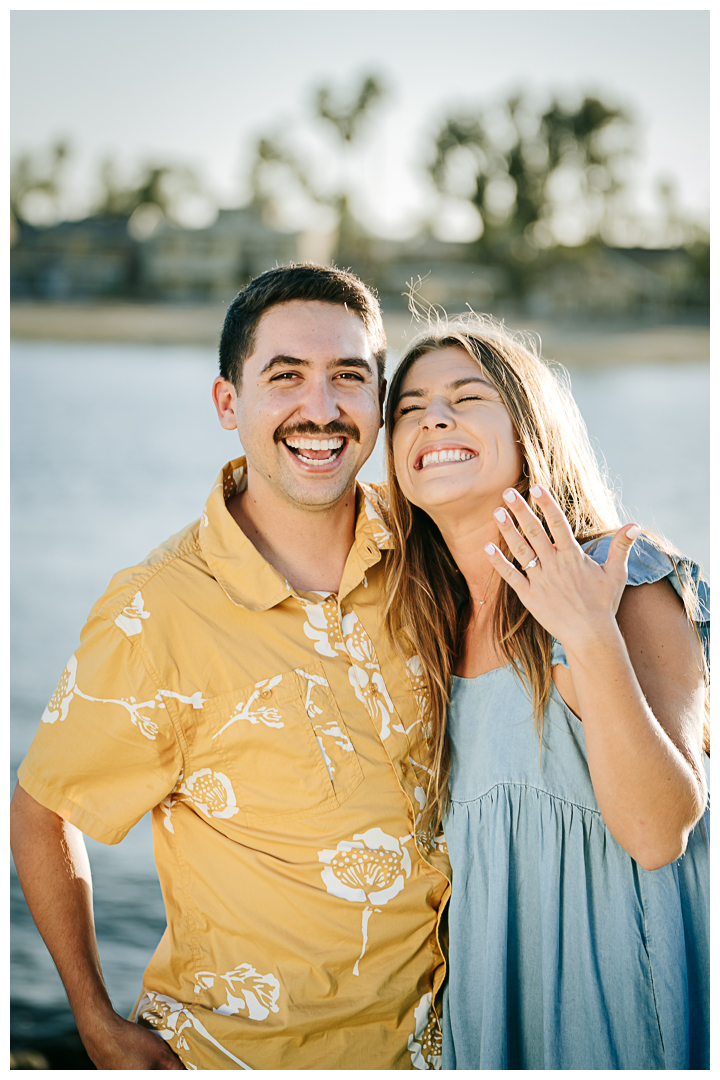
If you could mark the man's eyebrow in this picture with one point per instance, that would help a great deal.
(280, 359)
(353, 362)
(293, 361)
(420, 391)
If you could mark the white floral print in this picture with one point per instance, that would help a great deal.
(168, 803)
(332, 636)
(440, 843)
(371, 690)
(323, 628)
(166, 808)
(380, 531)
(357, 642)
(335, 732)
(246, 990)
(329, 728)
(274, 777)
(425, 1043)
(371, 869)
(311, 708)
(420, 692)
(211, 792)
(204, 520)
(143, 723)
(170, 1018)
(364, 674)
(59, 703)
(196, 700)
(434, 843)
(130, 618)
(261, 714)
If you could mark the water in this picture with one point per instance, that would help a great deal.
(114, 448)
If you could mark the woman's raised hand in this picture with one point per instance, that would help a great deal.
(568, 593)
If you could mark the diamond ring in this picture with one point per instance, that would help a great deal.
(533, 562)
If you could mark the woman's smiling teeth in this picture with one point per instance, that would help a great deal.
(438, 457)
(315, 450)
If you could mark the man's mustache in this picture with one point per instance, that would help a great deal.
(318, 431)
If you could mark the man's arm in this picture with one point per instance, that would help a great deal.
(54, 873)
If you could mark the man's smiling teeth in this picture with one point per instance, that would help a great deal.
(315, 444)
(435, 457)
(317, 452)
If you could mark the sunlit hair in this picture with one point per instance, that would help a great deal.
(427, 598)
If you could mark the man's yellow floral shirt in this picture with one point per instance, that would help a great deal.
(280, 745)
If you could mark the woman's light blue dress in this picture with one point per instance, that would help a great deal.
(564, 953)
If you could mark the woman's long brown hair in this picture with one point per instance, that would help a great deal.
(426, 595)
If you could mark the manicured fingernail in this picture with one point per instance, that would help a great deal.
(536, 491)
(500, 515)
(509, 495)
(633, 532)
(490, 549)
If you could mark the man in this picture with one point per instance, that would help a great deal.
(238, 684)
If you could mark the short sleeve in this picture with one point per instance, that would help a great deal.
(647, 564)
(105, 751)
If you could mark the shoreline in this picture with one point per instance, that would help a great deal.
(575, 343)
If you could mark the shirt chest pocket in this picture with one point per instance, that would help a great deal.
(285, 745)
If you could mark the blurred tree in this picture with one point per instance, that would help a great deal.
(36, 186)
(118, 200)
(536, 179)
(158, 185)
(38, 190)
(280, 174)
(171, 191)
(348, 116)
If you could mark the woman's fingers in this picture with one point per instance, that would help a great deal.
(617, 561)
(517, 543)
(506, 570)
(556, 521)
(535, 534)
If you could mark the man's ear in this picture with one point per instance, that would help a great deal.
(226, 402)
(381, 397)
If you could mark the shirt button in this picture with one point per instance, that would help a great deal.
(266, 694)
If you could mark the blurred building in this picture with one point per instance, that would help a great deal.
(606, 279)
(98, 258)
(440, 271)
(212, 263)
(94, 258)
(101, 258)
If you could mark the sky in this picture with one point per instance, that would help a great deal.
(198, 87)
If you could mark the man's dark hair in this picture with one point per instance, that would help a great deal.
(299, 281)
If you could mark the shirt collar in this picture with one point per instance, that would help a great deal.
(247, 578)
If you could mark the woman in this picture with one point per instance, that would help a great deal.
(568, 766)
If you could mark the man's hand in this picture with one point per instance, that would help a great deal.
(119, 1044)
(54, 872)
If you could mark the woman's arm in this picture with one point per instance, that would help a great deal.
(635, 680)
(641, 700)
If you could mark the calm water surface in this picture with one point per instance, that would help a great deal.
(114, 448)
